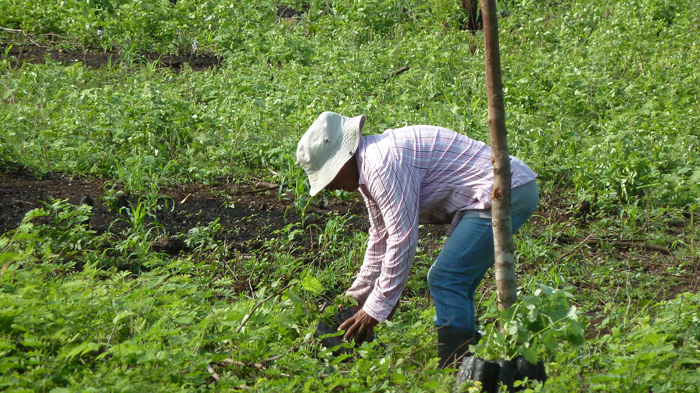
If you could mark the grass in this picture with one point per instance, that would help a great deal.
(601, 101)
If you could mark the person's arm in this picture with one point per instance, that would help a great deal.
(372, 264)
(396, 191)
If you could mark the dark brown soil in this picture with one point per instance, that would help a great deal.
(246, 217)
(284, 12)
(36, 54)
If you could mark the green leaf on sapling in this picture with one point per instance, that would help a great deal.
(550, 340)
(512, 329)
(546, 289)
(575, 333)
(507, 314)
(530, 354)
(532, 314)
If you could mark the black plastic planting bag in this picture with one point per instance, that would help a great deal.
(330, 342)
(500, 372)
(531, 371)
(476, 369)
(322, 329)
(343, 315)
(466, 371)
(486, 372)
(507, 372)
(526, 369)
(541, 372)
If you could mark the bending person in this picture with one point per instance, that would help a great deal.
(409, 176)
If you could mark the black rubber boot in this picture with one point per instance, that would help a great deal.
(453, 345)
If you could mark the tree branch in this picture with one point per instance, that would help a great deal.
(213, 373)
(616, 243)
(590, 32)
(259, 366)
(399, 71)
(14, 31)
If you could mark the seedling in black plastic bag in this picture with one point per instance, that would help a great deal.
(514, 349)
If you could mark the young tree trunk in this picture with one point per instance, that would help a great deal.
(472, 7)
(502, 230)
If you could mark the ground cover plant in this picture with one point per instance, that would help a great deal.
(201, 263)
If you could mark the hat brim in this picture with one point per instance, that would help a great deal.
(352, 130)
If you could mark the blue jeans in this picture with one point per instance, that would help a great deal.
(460, 267)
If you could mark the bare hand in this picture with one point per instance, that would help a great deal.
(359, 327)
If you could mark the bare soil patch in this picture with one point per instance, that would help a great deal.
(35, 54)
(285, 12)
(246, 217)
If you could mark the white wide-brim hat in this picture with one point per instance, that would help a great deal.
(327, 145)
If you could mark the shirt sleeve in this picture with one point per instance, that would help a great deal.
(372, 264)
(395, 189)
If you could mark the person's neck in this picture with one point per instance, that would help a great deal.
(355, 167)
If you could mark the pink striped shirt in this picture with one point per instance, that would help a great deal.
(416, 175)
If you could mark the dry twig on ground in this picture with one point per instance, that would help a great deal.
(615, 243)
(399, 71)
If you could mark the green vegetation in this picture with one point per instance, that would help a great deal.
(601, 101)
